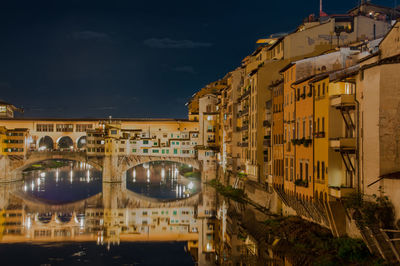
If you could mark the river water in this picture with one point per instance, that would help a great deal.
(161, 215)
(59, 216)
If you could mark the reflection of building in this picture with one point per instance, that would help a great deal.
(117, 215)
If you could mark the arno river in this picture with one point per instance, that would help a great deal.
(58, 216)
(62, 213)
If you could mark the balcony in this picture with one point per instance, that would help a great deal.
(340, 192)
(319, 134)
(343, 144)
(245, 127)
(243, 144)
(245, 94)
(343, 101)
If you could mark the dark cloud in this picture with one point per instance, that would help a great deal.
(186, 69)
(169, 43)
(90, 35)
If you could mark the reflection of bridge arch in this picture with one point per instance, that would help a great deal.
(140, 201)
(65, 142)
(45, 143)
(133, 161)
(39, 205)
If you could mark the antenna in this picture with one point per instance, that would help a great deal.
(320, 7)
(321, 13)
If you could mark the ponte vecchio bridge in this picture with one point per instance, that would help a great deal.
(112, 146)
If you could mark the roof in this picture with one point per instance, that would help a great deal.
(394, 175)
(4, 103)
(303, 80)
(286, 67)
(344, 73)
(396, 25)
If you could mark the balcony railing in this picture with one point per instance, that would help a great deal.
(342, 101)
(343, 143)
(245, 127)
(319, 134)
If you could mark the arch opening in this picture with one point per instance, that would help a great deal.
(81, 143)
(65, 143)
(46, 143)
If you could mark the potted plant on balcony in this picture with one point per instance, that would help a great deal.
(307, 142)
(301, 183)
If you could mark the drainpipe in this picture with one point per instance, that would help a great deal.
(294, 146)
(357, 137)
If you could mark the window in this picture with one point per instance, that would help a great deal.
(83, 127)
(317, 169)
(45, 127)
(310, 128)
(133, 150)
(306, 169)
(145, 142)
(64, 127)
(323, 124)
(291, 169)
(155, 151)
(145, 151)
(323, 170)
(304, 128)
(114, 132)
(301, 171)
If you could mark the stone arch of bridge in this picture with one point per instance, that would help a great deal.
(133, 161)
(36, 157)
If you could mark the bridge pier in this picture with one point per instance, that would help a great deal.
(113, 172)
(7, 172)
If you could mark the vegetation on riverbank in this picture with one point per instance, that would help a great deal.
(47, 165)
(306, 243)
(187, 171)
(376, 211)
(235, 194)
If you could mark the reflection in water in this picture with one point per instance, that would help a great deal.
(66, 184)
(163, 180)
(48, 207)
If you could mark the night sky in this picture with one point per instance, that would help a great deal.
(66, 58)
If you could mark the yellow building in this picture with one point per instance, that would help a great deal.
(14, 141)
(289, 77)
(302, 141)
